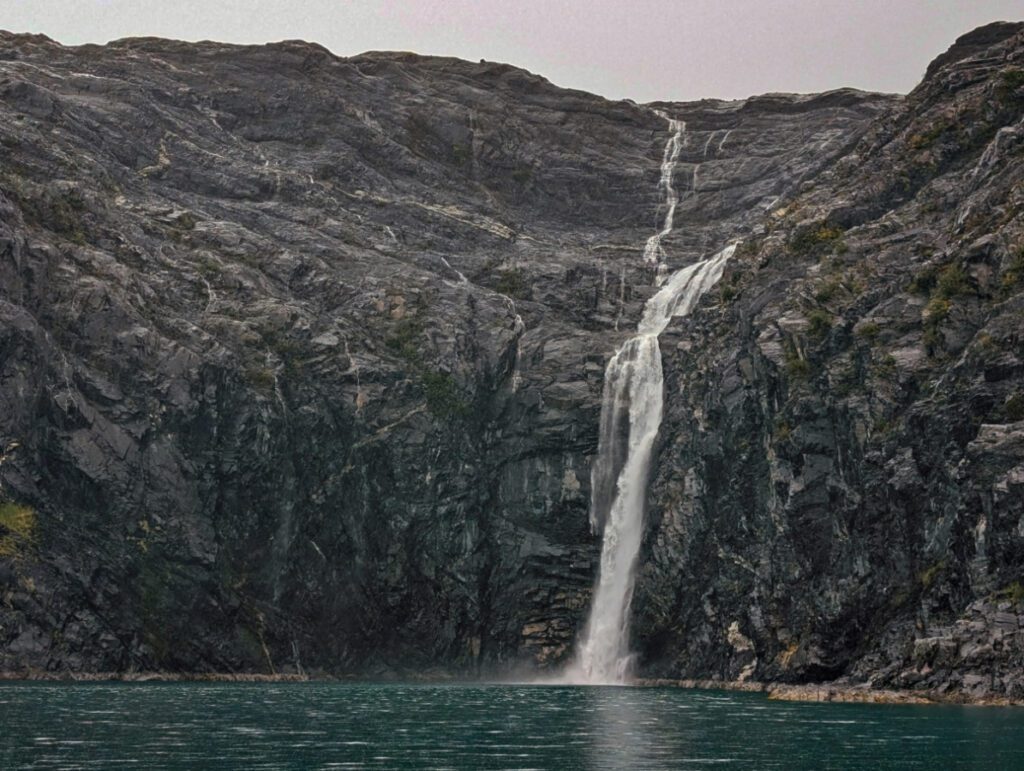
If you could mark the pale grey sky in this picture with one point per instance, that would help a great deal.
(641, 49)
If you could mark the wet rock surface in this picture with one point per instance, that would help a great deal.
(301, 362)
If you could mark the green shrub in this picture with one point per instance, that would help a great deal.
(208, 267)
(884, 367)
(513, 284)
(260, 377)
(1010, 83)
(66, 216)
(820, 323)
(828, 290)
(285, 347)
(1014, 273)
(882, 427)
(815, 238)
(1014, 406)
(952, 282)
(928, 575)
(937, 310)
(442, 394)
(797, 368)
(945, 281)
(924, 140)
(749, 248)
(924, 282)
(289, 350)
(868, 331)
(59, 211)
(405, 339)
(941, 284)
(1013, 592)
(934, 314)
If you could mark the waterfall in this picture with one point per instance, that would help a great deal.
(633, 392)
(653, 252)
(631, 413)
(519, 328)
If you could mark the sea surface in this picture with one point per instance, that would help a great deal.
(338, 726)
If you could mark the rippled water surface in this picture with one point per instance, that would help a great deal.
(328, 725)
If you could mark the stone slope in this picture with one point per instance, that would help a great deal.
(267, 405)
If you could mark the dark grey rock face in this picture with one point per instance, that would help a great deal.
(266, 404)
(839, 490)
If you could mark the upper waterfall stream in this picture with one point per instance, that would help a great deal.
(653, 253)
(631, 414)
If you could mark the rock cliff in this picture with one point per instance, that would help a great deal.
(301, 362)
(839, 491)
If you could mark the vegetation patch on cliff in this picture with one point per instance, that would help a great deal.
(816, 239)
(514, 284)
(17, 529)
(444, 399)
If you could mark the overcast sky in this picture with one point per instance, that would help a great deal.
(641, 49)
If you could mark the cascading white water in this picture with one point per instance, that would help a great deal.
(632, 392)
(632, 389)
(518, 329)
(653, 253)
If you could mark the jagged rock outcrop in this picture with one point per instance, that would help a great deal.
(301, 361)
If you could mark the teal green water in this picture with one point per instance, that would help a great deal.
(332, 726)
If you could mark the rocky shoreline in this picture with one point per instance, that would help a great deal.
(808, 692)
(152, 677)
(838, 692)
